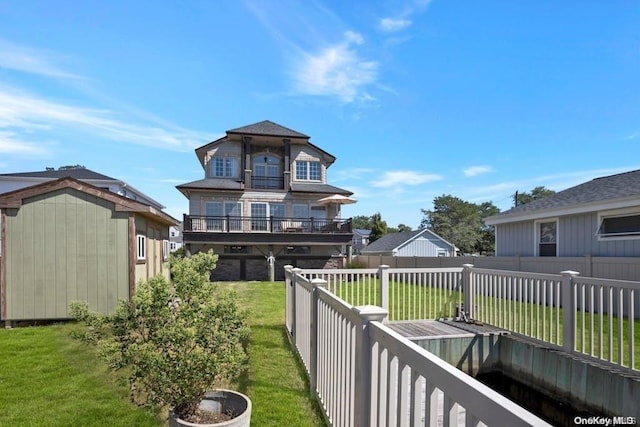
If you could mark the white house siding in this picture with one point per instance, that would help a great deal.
(423, 247)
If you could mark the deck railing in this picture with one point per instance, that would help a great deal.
(363, 373)
(598, 318)
(244, 224)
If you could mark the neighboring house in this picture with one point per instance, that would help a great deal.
(360, 239)
(600, 217)
(67, 240)
(418, 243)
(175, 237)
(15, 181)
(258, 205)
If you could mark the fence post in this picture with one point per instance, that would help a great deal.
(313, 334)
(362, 384)
(383, 274)
(289, 304)
(568, 311)
(294, 277)
(468, 287)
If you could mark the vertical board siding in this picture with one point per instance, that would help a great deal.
(577, 236)
(65, 245)
(422, 246)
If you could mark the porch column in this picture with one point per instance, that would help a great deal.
(246, 160)
(287, 164)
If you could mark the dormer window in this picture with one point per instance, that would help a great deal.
(224, 167)
(308, 171)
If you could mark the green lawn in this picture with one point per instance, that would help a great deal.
(49, 379)
(276, 382)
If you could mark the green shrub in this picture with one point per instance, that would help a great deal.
(175, 340)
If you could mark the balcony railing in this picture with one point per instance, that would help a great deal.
(267, 182)
(243, 224)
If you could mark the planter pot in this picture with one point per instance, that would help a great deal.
(220, 402)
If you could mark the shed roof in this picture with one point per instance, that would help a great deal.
(613, 191)
(14, 199)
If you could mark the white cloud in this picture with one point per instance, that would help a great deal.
(10, 144)
(398, 178)
(24, 113)
(477, 170)
(390, 25)
(32, 61)
(337, 70)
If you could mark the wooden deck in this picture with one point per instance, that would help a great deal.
(437, 329)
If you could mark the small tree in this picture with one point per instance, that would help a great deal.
(176, 340)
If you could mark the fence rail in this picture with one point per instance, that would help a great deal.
(598, 318)
(363, 373)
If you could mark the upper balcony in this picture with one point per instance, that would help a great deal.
(266, 230)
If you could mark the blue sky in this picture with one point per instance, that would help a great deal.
(415, 98)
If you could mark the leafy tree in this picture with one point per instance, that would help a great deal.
(361, 221)
(461, 223)
(535, 194)
(403, 227)
(378, 227)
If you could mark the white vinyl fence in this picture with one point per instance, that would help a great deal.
(598, 318)
(365, 374)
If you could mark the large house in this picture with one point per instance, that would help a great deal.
(67, 240)
(600, 217)
(259, 205)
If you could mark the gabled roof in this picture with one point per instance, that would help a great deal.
(608, 192)
(392, 241)
(267, 128)
(14, 199)
(80, 173)
(264, 128)
(362, 232)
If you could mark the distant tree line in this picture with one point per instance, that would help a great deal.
(455, 220)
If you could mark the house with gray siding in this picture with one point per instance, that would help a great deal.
(418, 243)
(600, 218)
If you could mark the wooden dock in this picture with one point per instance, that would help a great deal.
(438, 329)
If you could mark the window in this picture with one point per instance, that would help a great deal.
(237, 249)
(173, 246)
(619, 226)
(301, 211)
(308, 171)
(224, 167)
(547, 238)
(217, 213)
(173, 232)
(266, 172)
(165, 250)
(259, 217)
(142, 247)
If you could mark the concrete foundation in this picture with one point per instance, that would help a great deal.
(588, 387)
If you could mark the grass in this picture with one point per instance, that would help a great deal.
(409, 301)
(49, 379)
(276, 380)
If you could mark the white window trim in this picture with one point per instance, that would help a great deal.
(234, 173)
(613, 214)
(308, 172)
(165, 250)
(141, 247)
(536, 234)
